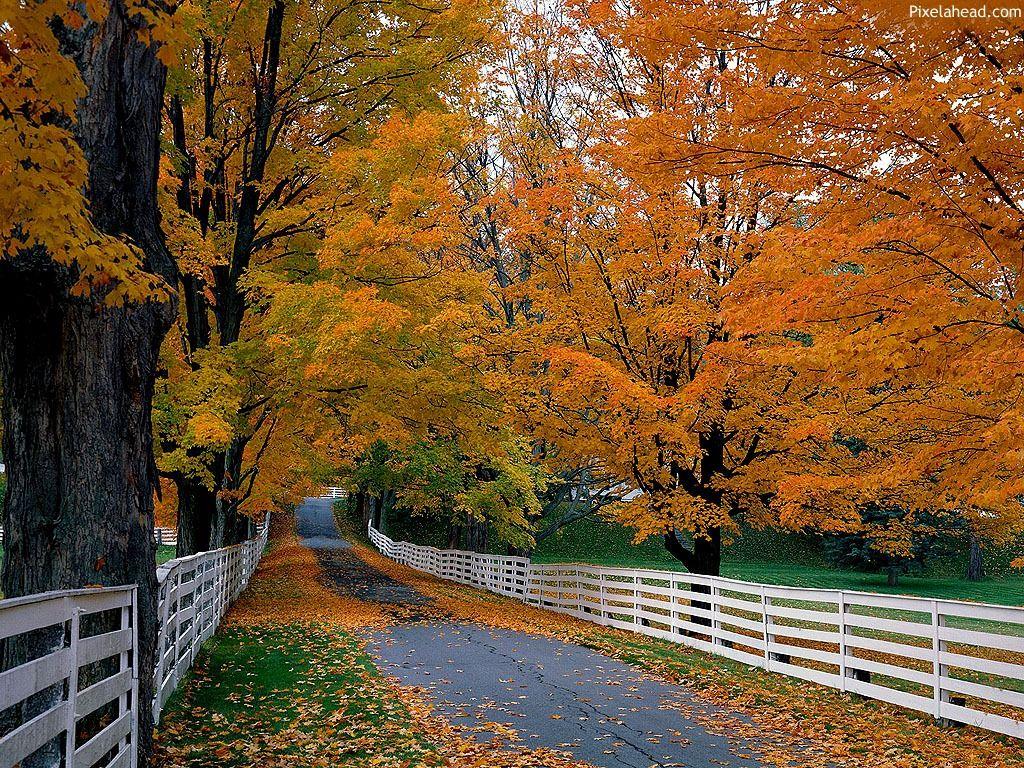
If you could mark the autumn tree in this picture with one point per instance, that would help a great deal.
(624, 358)
(470, 494)
(902, 281)
(388, 334)
(85, 300)
(267, 92)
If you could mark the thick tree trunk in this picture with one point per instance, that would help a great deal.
(377, 515)
(197, 506)
(453, 536)
(362, 507)
(230, 525)
(704, 558)
(78, 384)
(477, 535)
(892, 575)
(78, 375)
(975, 561)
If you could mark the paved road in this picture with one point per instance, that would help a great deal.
(554, 694)
(348, 574)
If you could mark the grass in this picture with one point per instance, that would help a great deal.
(775, 558)
(767, 557)
(289, 694)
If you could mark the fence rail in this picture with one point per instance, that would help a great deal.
(71, 694)
(957, 661)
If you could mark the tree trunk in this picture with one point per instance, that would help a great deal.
(78, 384)
(197, 506)
(230, 525)
(477, 536)
(454, 536)
(975, 562)
(892, 576)
(378, 512)
(362, 507)
(704, 558)
(78, 375)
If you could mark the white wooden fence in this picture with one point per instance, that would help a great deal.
(958, 661)
(77, 697)
(166, 537)
(194, 594)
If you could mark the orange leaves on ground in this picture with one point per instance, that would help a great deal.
(288, 587)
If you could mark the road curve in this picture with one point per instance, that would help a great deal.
(552, 693)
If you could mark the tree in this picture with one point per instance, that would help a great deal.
(890, 540)
(388, 333)
(471, 494)
(85, 286)
(625, 358)
(267, 92)
(904, 275)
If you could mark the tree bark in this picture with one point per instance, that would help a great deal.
(362, 507)
(378, 512)
(477, 535)
(892, 575)
(78, 375)
(196, 507)
(704, 558)
(975, 561)
(453, 536)
(230, 525)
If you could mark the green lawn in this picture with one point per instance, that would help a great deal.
(776, 558)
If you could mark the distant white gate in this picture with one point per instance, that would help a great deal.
(954, 660)
(65, 686)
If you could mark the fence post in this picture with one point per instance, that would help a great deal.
(604, 599)
(766, 620)
(843, 673)
(636, 607)
(131, 613)
(69, 744)
(716, 625)
(174, 624)
(161, 648)
(937, 647)
(579, 593)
